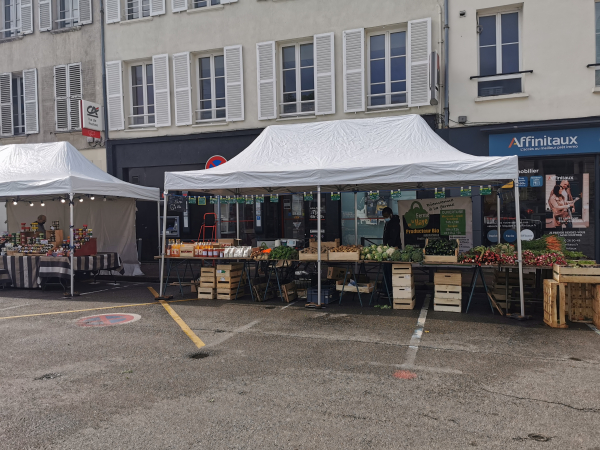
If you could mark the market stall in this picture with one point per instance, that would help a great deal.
(392, 153)
(90, 214)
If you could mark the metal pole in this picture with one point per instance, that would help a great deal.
(356, 218)
(498, 214)
(519, 249)
(103, 62)
(237, 219)
(158, 225)
(319, 244)
(218, 233)
(71, 244)
(164, 243)
(446, 60)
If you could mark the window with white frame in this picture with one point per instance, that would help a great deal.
(387, 69)
(597, 11)
(18, 105)
(62, 14)
(11, 18)
(499, 54)
(68, 13)
(136, 9)
(206, 3)
(211, 88)
(142, 96)
(298, 79)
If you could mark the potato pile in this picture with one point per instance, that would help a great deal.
(346, 249)
(313, 250)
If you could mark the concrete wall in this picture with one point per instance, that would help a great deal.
(557, 42)
(246, 23)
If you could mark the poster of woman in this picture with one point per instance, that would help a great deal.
(567, 201)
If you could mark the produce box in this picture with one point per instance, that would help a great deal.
(345, 253)
(186, 251)
(447, 305)
(401, 268)
(554, 304)
(405, 279)
(233, 266)
(448, 292)
(440, 259)
(447, 278)
(207, 271)
(228, 293)
(565, 274)
(310, 254)
(580, 297)
(596, 306)
(404, 303)
(363, 288)
(403, 292)
(206, 293)
(336, 273)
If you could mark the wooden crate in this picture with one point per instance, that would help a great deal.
(579, 300)
(363, 288)
(228, 294)
(403, 292)
(234, 266)
(227, 282)
(259, 291)
(208, 271)
(208, 284)
(206, 293)
(447, 304)
(343, 256)
(313, 256)
(448, 278)
(554, 310)
(403, 303)
(324, 244)
(405, 279)
(564, 274)
(401, 268)
(448, 291)
(596, 306)
(289, 292)
(437, 259)
(227, 274)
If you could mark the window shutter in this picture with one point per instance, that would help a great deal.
(179, 5)
(183, 89)
(324, 74)
(85, 12)
(267, 97)
(113, 12)
(61, 98)
(354, 70)
(162, 101)
(45, 15)
(157, 7)
(31, 101)
(114, 92)
(26, 16)
(6, 112)
(419, 49)
(74, 96)
(234, 83)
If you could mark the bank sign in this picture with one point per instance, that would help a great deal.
(552, 142)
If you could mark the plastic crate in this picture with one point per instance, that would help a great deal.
(327, 294)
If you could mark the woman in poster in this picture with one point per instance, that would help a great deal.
(561, 207)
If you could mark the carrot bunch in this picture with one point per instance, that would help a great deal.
(554, 243)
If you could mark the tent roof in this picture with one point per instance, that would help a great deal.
(31, 171)
(344, 155)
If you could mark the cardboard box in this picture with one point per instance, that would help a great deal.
(335, 273)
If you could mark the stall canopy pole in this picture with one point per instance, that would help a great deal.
(356, 218)
(164, 243)
(319, 244)
(519, 249)
(158, 212)
(71, 244)
(499, 240)
(237, 219)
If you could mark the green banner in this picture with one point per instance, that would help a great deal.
(308, 197)
(453, 222)
(396, 195)
(275, 198)
(465, 191)
(440, 193)
(202, 201)
(485, 190)
(241, 200)
(335, 196)
(192, 200)
(249, 200)
(374, 195)
(213, 200)
(260, 199)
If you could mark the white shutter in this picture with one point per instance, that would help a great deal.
(419, 49)
(114, 92)
(85, 12)
(45, 15)
(26, 16)
(234, 83)
(179, 5)
(324, 74)
(74, 71)
(162, 100)
(267, 96)
(31, 101)
(183, 89)
(354, 70)
(6, 111)
(113, 13)
(157, 7)
(61, 98)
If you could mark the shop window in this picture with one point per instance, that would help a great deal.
(211, 89)
(142, 96)
(387, 69)
(298, 79)
(137, 9)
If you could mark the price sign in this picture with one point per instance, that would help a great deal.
(453, 222)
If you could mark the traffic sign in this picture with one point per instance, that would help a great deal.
(107, 320)
(215, 161)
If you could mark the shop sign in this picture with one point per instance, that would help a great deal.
(416, 217)
(549, 142)
(91, 119)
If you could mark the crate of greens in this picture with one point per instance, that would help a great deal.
(440, 251)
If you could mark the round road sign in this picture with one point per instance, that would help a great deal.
(107, 320)
(215, 161)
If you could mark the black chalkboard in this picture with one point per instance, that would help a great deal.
(176, 204)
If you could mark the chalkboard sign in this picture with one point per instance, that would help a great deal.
(176, 204)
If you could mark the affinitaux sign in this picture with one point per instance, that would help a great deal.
(91, 119)
(551, 142)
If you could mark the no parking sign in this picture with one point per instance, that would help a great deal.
(215, 161)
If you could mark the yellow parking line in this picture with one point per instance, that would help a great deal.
(187, 330)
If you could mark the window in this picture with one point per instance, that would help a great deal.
(211, 88)
(205, 3)
(387, 69)
(67, 94)
(18, 106)
(11, 18)
(142, 96)
(597, 6)
(68, 13)
(298, 79)
(136, 9)
(499, 54)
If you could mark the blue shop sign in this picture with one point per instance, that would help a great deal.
(550, 142)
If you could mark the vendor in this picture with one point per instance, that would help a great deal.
(41, 220)
(391, 237)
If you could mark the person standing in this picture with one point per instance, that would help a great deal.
(391, 237)
(41, 220)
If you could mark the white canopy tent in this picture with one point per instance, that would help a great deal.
(353, 155)
(43, 172)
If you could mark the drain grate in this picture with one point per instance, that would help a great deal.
(199, 355)
(48, 376)
(575, 359)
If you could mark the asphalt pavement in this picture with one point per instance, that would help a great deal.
(279, 376)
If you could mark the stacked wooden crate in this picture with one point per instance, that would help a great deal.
(448, 292)
(508, 282)
(208, 283)
(403, 286)
(596, 306)
(229, 276)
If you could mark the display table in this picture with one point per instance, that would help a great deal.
(20, 271)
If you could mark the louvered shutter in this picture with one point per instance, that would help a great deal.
(6, 111)
(45, 15)
(61, 98)
(324, 74)
(74, 96)
(183, 89)
(26, 16)
(85, 12)
(114, 92)
(354, 70)
(30, 98)
(234, 83)
(419, 49)
(162, 101)
(179, 5)
(157, 7)
(267, 97)
(113, 12)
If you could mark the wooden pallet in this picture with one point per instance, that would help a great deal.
(404, 303)
(564, 274)
(206, 293)
(554, 304)
(447, 304)
(403, 292)
(448, 292)
(579, 300)
(401, 268)
(447, 278)
(402, 279)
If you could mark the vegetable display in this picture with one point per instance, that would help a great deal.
(284, 252)
(386, 253)
(441, 247)
(346, 248)
(506, 254)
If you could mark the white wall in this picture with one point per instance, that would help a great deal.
(3, 223)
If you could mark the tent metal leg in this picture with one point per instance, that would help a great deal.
(72, 243)
(319, 244)
(519, 247)
(164, 245)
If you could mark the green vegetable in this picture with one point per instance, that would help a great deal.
(284, 252)
(417, 256)
(441, 247)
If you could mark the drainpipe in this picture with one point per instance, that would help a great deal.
(446, 95)
(104, 94)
